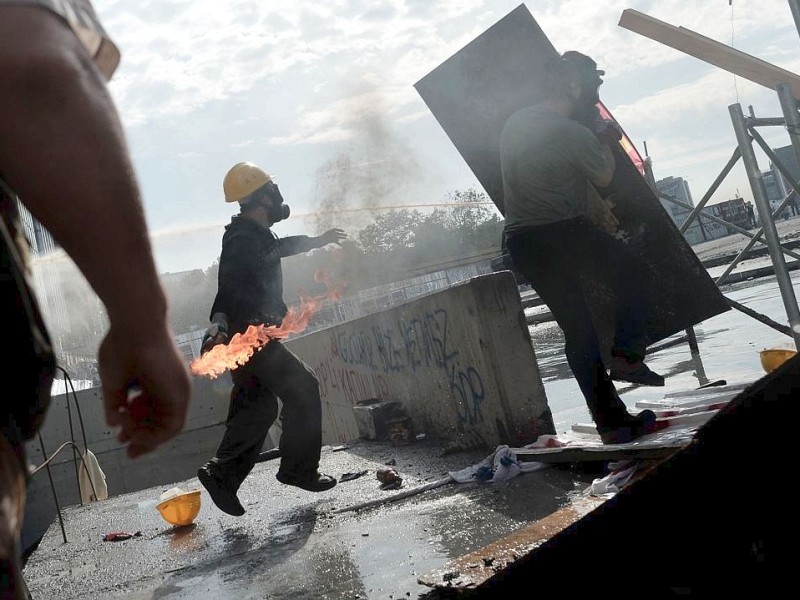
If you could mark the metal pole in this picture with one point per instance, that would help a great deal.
(789, 177)
(737, 154)
(72, 438)
(770, 231)
(692, 339)
(759, 317)
(725, 223)
(667, 344)
(53, 488)
(768, 122)
(751, 243)
(795, 6)
(700, 371)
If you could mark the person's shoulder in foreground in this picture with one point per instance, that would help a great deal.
(81, 17)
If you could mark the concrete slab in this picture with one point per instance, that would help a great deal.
(292, 543)
(460, 361)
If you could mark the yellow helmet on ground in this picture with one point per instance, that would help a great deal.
(243, 179)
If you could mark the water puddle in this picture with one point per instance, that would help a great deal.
(729, 344)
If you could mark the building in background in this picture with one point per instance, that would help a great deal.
(788, 159)
(72, 312)
(701, 229)
(734, 211)
(773, 185)
(778, 187)
(678, 188)
(52, 301)
(40, 239)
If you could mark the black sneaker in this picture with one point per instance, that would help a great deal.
(633, 427)
(223, 497)
(634, 372)
(314, 482)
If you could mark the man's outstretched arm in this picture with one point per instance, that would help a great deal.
(297, 244)
(63, 151)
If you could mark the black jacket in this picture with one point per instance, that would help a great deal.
(250, 282)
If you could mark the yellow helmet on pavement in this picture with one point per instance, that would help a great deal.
(243, 179)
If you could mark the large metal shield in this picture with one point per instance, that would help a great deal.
(473, 93)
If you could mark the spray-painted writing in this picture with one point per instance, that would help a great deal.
(406, 347)
(354, 384)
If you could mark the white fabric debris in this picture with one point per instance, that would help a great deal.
(91, 479)
(620, 473)
(501, 465)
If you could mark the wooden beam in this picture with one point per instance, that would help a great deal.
(710, 51)
(601, 453)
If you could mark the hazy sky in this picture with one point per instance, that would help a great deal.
(299, 86)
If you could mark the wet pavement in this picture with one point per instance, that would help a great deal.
(296, 544)
(729, 346)
(788, 230)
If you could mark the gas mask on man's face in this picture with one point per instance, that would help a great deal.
(590, 90)
(589, 80)
(583, 110)
(584, 102)
(276, 209)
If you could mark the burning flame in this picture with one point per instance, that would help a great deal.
(242, 346)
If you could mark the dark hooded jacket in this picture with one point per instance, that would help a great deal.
(250, 281)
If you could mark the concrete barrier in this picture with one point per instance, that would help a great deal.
(460, 361)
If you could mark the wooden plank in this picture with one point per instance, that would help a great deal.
(688, 410)
(600, 452)
(472, 569)
(669, 403)
(681, 421)
(722, 389)
(708, 50)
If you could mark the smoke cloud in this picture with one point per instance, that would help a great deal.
(376, 169)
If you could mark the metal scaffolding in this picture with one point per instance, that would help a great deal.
(746, 132)
(787, 86)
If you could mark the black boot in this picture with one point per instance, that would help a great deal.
(634, 371)
(632, 427)
(221, 493)
(312, 482)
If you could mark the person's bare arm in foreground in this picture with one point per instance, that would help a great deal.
(62, 149)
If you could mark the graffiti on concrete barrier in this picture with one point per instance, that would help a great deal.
(468, 387)
(353, 383)
(361, 359)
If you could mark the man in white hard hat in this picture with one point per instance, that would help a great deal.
(250, 292)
